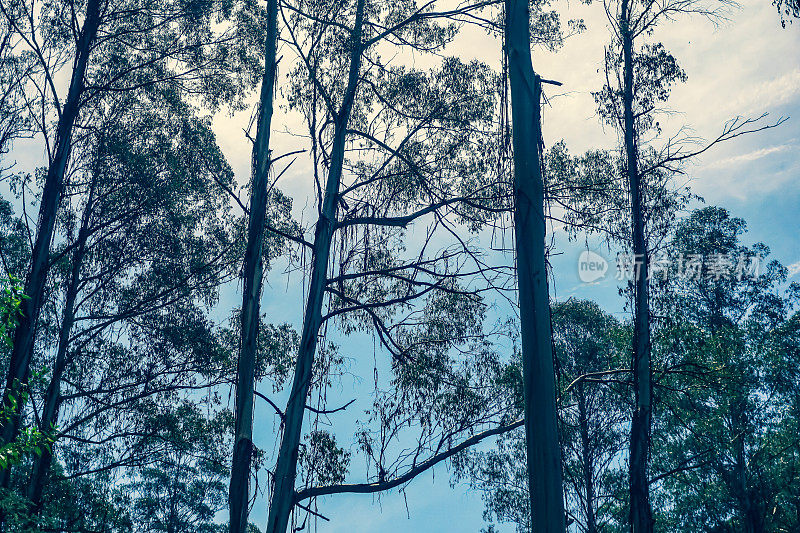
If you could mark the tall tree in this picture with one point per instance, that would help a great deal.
(253, 272)
(639, 77)
(20, 359)
(727, 329)
(590, 349)
(102, 47)
(541, 430)
(641, 421)
(411, 169)
(282, 500)
(589, 346)
(147, 244)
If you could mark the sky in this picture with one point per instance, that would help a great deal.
(746, 65)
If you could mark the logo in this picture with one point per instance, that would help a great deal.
(591, 266)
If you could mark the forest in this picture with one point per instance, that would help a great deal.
(272, 266)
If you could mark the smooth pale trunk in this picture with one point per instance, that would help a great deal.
(239, 493)
(641, 516)
(22, 351)
(283, 492)
(541, 430)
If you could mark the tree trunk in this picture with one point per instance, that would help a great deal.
(238, 497)
(641, 517)
(22, 351)
(543, 450)
(750, 513)
(588, 463)
(41, 463)
(283, 492)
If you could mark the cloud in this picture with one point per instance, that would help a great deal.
(794, 269)
(751, 156)
(777, 91)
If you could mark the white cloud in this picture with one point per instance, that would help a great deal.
(751, 156)
(776, 92)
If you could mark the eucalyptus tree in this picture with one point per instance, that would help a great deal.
(184, 492)
(543, 455)
(453, 392)
(148, 241)
(633, 119)
(238, 498)
(589, 346)
(102, 47)
(390, 145)
(726, 459)
(638, 80)
(144, 237)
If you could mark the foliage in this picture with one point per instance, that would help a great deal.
(128, 427)
(30, 439)
(589, 345)
(726, 420)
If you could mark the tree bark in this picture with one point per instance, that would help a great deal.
(282, 500)
(239, 494)
(22, 351)
(543, 450)
(641, 517)
(588, 463)
(41, 463)
(750, 512)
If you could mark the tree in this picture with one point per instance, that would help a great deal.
(281, 502)
(19, 362)
(638, 80)
(590, 350)
(139, 45)
(185, 488)
(147, 242)
(543, 450)
(417, 150)
(589, 346)
(726, 454)
(252, 274)
(13, 122)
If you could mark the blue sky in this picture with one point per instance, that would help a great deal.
(747, 65)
